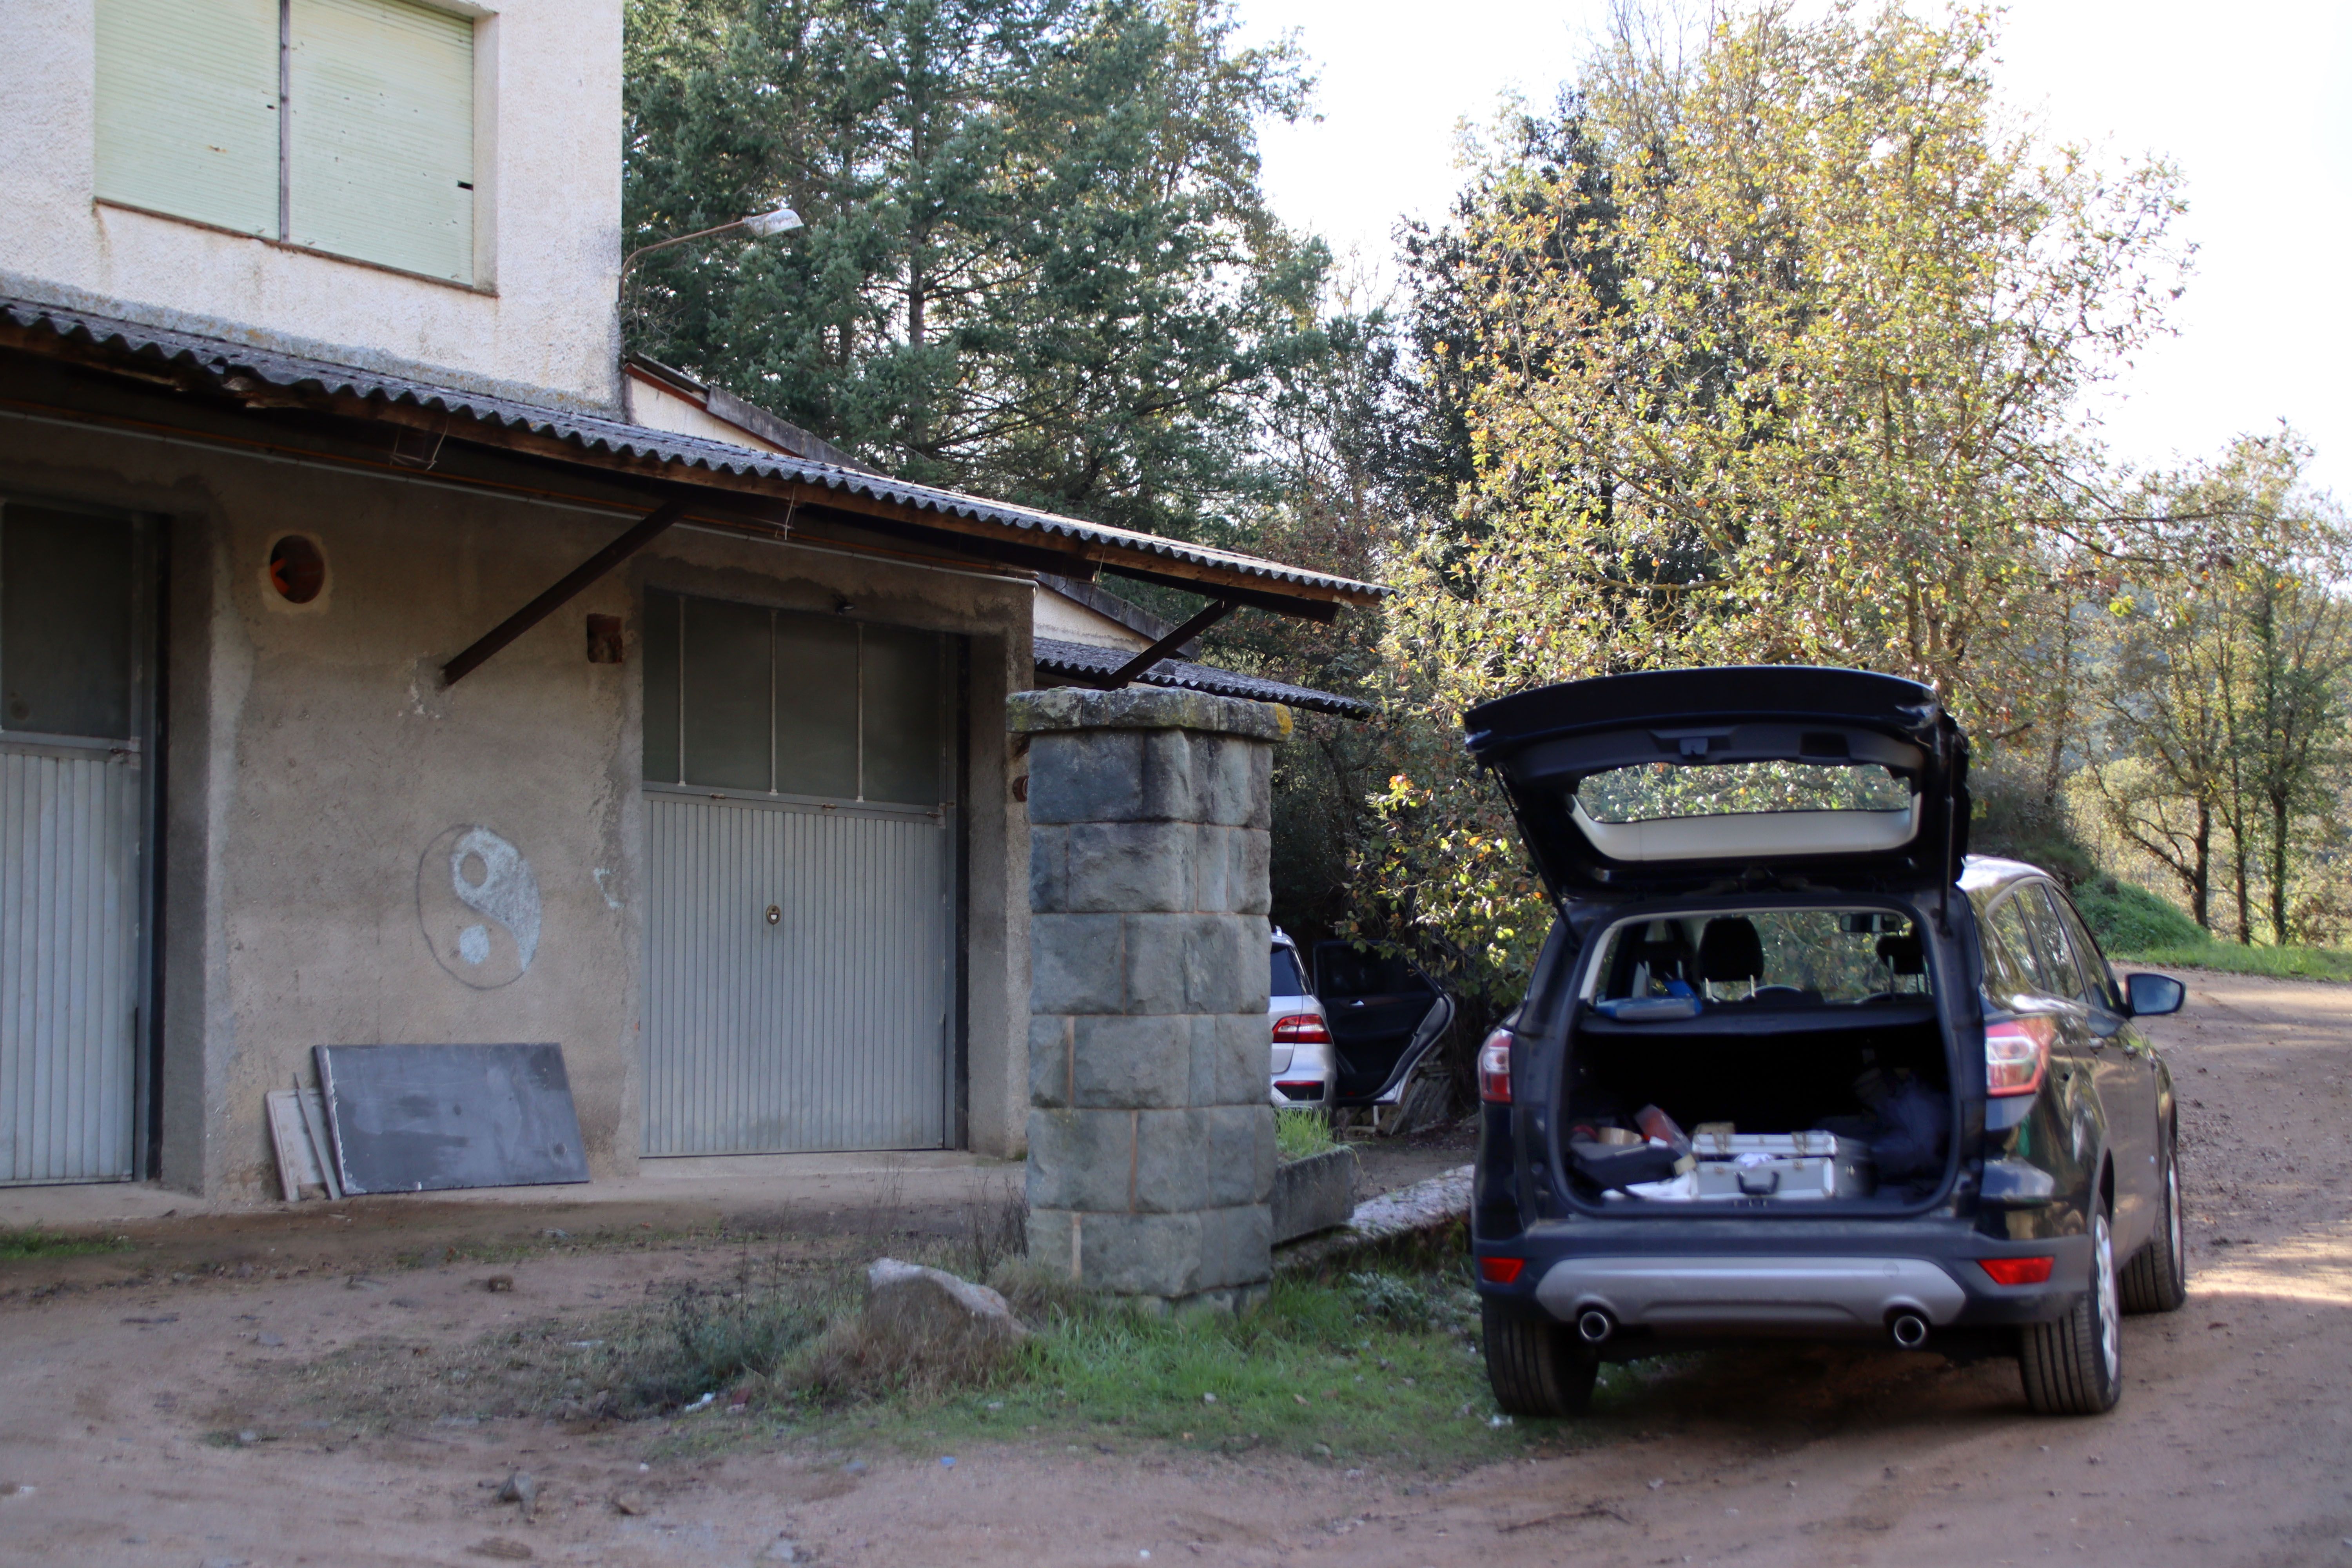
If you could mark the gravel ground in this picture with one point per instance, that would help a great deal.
(121, 1405)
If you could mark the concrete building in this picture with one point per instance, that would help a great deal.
(309, 380)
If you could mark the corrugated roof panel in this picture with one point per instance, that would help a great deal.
(1082, 660)
(220, 360)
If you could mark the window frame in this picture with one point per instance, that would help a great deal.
(480, 271)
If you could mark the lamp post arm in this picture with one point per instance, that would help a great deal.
(631, 259)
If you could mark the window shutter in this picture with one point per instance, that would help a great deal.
(187, 109)
(380, 150)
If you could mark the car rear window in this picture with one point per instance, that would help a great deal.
(1785, 955)
(1654, 792)
(1286, 979)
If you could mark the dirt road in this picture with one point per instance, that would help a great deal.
(2230, 1447)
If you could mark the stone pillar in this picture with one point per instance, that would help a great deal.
(1150, 1139)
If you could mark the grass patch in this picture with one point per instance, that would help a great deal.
(1380, 1366)
(1300, 1133)
(2232, 958)
(23, 1243)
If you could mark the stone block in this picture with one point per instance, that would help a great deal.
(1235, 1246)
(1211, 863)
(1049, 869)
(1087, 777)
(1053, 1241)
(1313, 1194)
(1130, 867)
(1170, 789)
(1049, 1060)
(1172, 1161)
(1131, 1063)
(1233, 783)
(1144, 708)
(1140, 1253)
(1081, 1159)
(1077, 964)
(1225, 963)
(1231, 1058)
(1156, 959)
(1248, 864)
(1238, 1141)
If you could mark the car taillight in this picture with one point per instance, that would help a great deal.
(1495, 1068)
(2017, 1053)
(2017, 1270)
(1501, 1270)
(1301, 1029)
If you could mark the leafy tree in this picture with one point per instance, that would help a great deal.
(1810, 392)
(1036, 260)
(2224, 699)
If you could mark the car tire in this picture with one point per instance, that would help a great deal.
(2074, 1366)
(2157, 1278)
(1537, 1367)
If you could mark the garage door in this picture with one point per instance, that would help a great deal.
(800, 896)
(71, 810)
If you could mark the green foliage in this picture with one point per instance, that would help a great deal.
(2127, 918)
(1036, 264)
(36, 1242)
(1382, 1366)
(1770, 354)
(1298, 1133)
(2237, 958)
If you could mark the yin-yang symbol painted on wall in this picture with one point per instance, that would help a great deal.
(477, 905)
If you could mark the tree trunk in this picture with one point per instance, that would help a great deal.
(2278, 868)
(2200, 886)
(2245, 912)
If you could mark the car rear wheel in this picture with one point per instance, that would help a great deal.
(1536, 1367)
(2157, 1278)
(2074, 1366)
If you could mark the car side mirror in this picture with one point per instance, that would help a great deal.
(2154, 996)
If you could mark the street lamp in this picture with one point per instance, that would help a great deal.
(759, 225)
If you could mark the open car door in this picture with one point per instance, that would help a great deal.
(1384, 1015)
(1682, 780)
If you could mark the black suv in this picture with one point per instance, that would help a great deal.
(1792, 1063)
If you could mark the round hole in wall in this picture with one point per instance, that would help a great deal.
(297, 570)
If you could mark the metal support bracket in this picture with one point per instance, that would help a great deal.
(651, 526)
(1167, 645)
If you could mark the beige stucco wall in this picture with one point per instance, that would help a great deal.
(658, 409)
(540, 322)
(312, 758)
(1066, 620)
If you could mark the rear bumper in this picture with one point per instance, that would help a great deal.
(1810, 1285)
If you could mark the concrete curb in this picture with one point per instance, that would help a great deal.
(1313, 1194)
(1420, 1209)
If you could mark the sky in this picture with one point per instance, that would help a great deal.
(2253, 102)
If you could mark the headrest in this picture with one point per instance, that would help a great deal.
(1729, 950)
(1903, 953)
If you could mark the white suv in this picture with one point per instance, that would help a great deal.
(1306, 1069)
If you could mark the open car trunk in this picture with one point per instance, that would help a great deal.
(1777, 1058)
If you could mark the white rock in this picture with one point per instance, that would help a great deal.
(932, 1307)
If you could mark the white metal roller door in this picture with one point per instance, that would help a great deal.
(825, 1029)
(800, 911)
(72, 820)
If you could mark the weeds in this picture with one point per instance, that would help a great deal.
(1300, 1133)
(21, 1244)
(2235, 958)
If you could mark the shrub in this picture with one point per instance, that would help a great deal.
(2127, 918)
(1298, 1133)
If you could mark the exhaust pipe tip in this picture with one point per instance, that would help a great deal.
(1909, 1329)
(1593, 1325)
